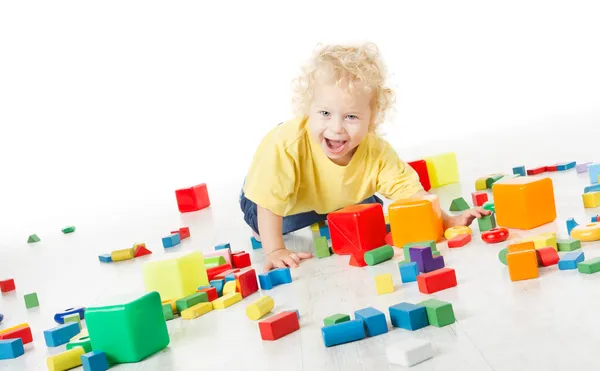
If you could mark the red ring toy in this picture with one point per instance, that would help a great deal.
(495, 235)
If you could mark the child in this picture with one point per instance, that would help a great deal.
(329, 156)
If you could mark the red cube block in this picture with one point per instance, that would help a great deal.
(420, 167)
(22, 332)
(211, 292)
(536, 171)
(435, 281)
(192, 199)
(7, 285)
(479, 198)
(241, 260)
(459, 241)
(246, 283)
(184, 232)
(221, 276)
(214, 271)
(278, 326)
(357, 229)
(547, 256)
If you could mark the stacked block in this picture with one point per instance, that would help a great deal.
(571, 260)
(408, 271)
(344, 332)
(437, 280)
(213, 261)
(416, 220)
(406, 248)
(459, 241)
(11, 348)
(260, 307)
(211, 293)
(60, 316)
(589, 266)
(229, 287)
(192, 199)
(73, 318)
(191, 300)
(218, 286)
(321, 247)
(425, 260)
(457, 231)
(94, 361)
(408, 316)
(65, 360)
(175, 277)
(522, 265)
(335, 319)
(420, 166)
(442, 169)
(279, 325)
(225, 254)
(384, 284)
(61, 334)
(274, 278)
(374, 321)
(241, 260)
(439, 313)
(543, 240)
(592, 188)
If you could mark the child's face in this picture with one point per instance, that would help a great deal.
(338, 121)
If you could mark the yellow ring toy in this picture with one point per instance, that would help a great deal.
(456, 231)
(587, 233)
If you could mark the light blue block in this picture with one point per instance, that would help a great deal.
(594, 171)
(566, 166)
(255, 244)
(409, 316)
(571, 223)
(61, 334)
(223, 246)
(375, 322)
(570, 260)
(11, 348)
(218, 285)
(324, 232)
(408, 271)
(265, 281)
(344, 332)
(172, 240)
(105, 258)
(230, 277)
(60, 316)
(94, 361)
(592, 188)
(519, 170)
(280, 276)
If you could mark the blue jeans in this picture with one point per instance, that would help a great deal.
(290, 223)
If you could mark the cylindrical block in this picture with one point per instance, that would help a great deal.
(65, 360)
(229, 288)
(416, 220)
(213, 261)
(378, 255)
(260, 307)
(124, 254)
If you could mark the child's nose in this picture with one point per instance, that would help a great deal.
(337, 126)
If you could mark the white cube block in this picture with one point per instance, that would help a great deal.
(409, 352)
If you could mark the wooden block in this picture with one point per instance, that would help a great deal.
(80, 341)
(486, 222)
(344, 332)
(408, 271)
(435, 281)
(492, 179)
(124, 254)
(479, 198)
(246, 283)
(241, 260)
(212, 273)
(175, 277)
(192, 199)
(191, 300)
(171, 241)
(229, 288)
(227, 300)
(522, 265)
(225, 253)
(211, 293)
(196, 310)
(33, 238)
(409, 352)
(61, 334)
(7, 285)
(519, 170)
(321, 247)
(536, 171)
(442, 169)
(459, 241)
(172, 303)
(105, 258)
(459, 204)
(140, 250)
(591, 200)
(420, 166)
(69, 229)
(384, 284)
(73, 318)
(213, 261)
(430, 243)
(408, 316)
(452, 232)
(543, 240)
(571, 260)
(379, 255)
(167, 311)
(374, 321)
(94, 361)
(568, 244)
(586, 232)
(31, 300)
(416, 220)
(278, 326)
(495, 235)
(589, 266)
(489, 206)
(547, 256)
(11, 348)
(21, 331)
(481, 183)
(256, 244)
(594, 172)
(439, 313)
(335, 319)
(502, 255)
(260, 307)
(65, 360)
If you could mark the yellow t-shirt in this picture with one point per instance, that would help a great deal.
(291, 174)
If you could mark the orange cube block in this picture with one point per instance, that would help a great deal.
(522, 265)
(524, 202)
(414, 220)
(521, 246)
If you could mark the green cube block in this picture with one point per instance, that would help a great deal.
(73, 318)
(489, 206)
(589, 266)
(336, 318)
(214, 261)
(84, 342)
(128, 332)
(168, 311)
(459, 204)
(321, 247)
(439, 313)
(429, 243)
(379, 255)
(33, 238)
(69, 229)
(486, 222)
(31, 300)
(568, 244)
(191, 300)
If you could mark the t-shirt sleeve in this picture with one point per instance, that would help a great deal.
(271, 179)
(396, 179)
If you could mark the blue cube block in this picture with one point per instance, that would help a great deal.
(519, 170)
(265, 281)
(105, 258)
(594, 171)
(223, 246)
(571, 223)
(570, 260)
(408, 272)
(344, 332)
(375, 322)
(230, 277)
(324, 232)
(280, 276)
(409, 316)
(218, 285)
(172, 240)
(566, 166)
(255, 244)
(11, 348)
(94, 361)
(61, 334)
(592, 188)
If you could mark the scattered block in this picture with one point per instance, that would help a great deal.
(278, 326)
(226, 301)
(582, 168)
(69, 229)
(408, 271)
(571, 260)
(65, 360)
(568, 244)
(566, 166)
(536, 171)
(592, 188)
(60, 316)
(589, 266)
(551, 168)
(22, 331)
(105, 258)
(260, 307)
(459, 204)
(435, 281)
(442, 169)
(416, 220)
(211, 293)
(124, 254)
(481, 184)
(61, 334)
(223, 246)
(225, 253)
(31, 300)
(594, 172)
(479, 198)
(547, 256)
(379, 255)
(521, 246)
(246, 283)
(94, 361)
(374, 320)
(175, 277)
(591, 200)
(519, 170)
(495, 235)
(344, 332)
(522, 265)
(321, 247)
(191, 300)
(425, 260)
(274, 278)
(11, 348)
(384, 284)
(492, 179)
(255, 243)
(73, 318)
(228, 277)
(192, 199)
(502, 255)
(7, 285)
(33, 238)
(543, 240)
(140, 250)
(459, 241)
(420, 166)
(335, 319)
(430, 243)
(184, 232)
(439, 313)
(197, 310)
(408, 316)
(409, 352)
(167, 311)
(172, 240)
(486, 222)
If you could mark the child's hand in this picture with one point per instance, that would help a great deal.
(282, 258)
(466, 218)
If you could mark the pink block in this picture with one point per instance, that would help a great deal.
(226, 253)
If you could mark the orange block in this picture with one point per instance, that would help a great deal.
(524, 202)
(414, 220)
(521, 246)
(522, 265)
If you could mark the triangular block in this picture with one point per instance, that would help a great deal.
(33, 238)
(459, 204)
(141, 250)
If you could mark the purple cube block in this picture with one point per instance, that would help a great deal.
(434, 264)
(421, 255)
(582, 168)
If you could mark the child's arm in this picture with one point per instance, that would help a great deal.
(465, 218)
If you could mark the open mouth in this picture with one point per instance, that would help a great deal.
(335, 146)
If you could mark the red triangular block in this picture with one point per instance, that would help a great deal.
(141, 250)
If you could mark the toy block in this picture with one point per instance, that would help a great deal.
(218, 285)
(521, 246)
(229, 287)
(439, 313)
(594, 172)
(375, 322)
(256, 244)
(73, 318)
(357, 229)
(229, 277)
(335, 319)
(420, 166)
(69, 229)
(22, 331)
(94, 361)
(543, 240)
(406, 248)
(11, 348)
(223, 246)
(594, 219)
(442, 169)
(486, 222)
(459, 204)
(211, 293)
(437, 280)
(425, 260)
(278, 326)
(384, 284)
(324, 232)
(489, 206)
(379, 255)
(408, 316)
(589, 266)
(522, 265)
(408, 271)
(481, 184)
(571, 260)
(33, 238)
(389, 240)
(459, 241)
(502, 255)
(175, 277)
(317, 226)
(456, 231)
(197, 310)
(344, 332)
(172, 303)
(265, 281)
(61, 334)
(592, 188)
(552, 168)
(321, 247)
(568, 244)
(213, 261)
(83, 342)
(128, 332)
(65, 360)
(591, 200)
(246, 283)
(409, 352)
(571, 223)
(492, 179)
(192, 199)
(227, 300)
(416, 220)
(225, 253)
(479, 198)
(586, 233)
(566, 166)
(140, 250)
(60, 316)
(260, 307)
(7, 285)
(171, 241)
(105, 258)
(124, 254)
(167, 311)
(582, 168)
(519, 170)
(495, 235)
(547, 256)
(524, 203)
(184, 232)
(191, 300)
(274, 278)
(536, 171)
(31, 300)
(241, 260)
(225, 275)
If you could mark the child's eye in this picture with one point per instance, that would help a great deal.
(324, 113)
(352, 117)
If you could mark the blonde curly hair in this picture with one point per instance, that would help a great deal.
(343, 63)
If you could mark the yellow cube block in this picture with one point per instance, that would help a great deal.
(415, 220)
(229, 288)
(591, 200)
(226, 300)
(442, 169)
(124, 254)
(543, 240)
(260, 307)
(175, 277)
(481, 184)
(384, 284)
(197, 310)
(65, 360)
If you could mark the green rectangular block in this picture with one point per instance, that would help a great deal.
(489, 182)
(486, 222)
(336, 318)
(84, 342)
(429, 243)
(568, 244)
(73, 318)
(321, 247)
(191, 300)
(168, 311)
(439, 313)
(69, 229)
(128, 332)
(31, 300)
(589, 266)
